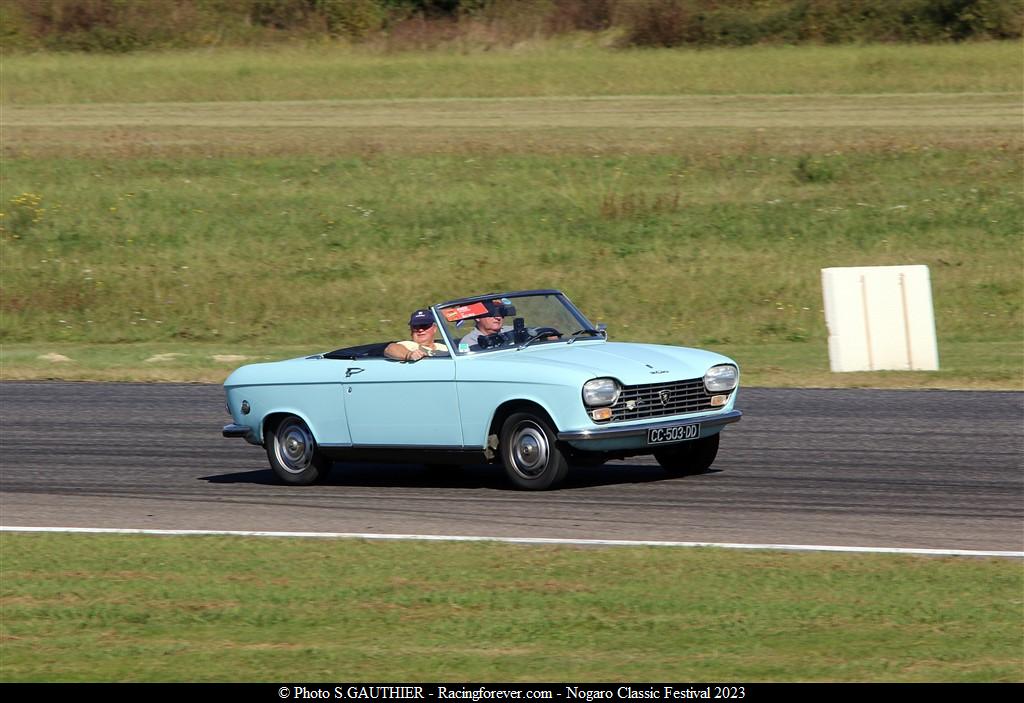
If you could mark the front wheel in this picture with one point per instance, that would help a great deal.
(294, 456)
(689, 458)
(529, 452)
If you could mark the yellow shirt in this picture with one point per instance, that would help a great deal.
(429, 351)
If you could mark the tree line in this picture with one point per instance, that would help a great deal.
(130, 25)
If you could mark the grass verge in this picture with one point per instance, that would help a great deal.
(127, 608)
(964, 365)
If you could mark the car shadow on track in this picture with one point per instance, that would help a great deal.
(462, 477)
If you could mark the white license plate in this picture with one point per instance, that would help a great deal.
(676, 433)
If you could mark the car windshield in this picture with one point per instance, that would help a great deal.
(512, 321)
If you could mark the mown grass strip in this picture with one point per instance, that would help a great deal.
(125, 608)
(925, 111)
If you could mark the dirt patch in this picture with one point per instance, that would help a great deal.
(158, 358)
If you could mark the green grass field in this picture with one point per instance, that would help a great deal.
(120, 608)
(319, 219)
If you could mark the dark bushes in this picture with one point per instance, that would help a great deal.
(742, 22)
(126, 25)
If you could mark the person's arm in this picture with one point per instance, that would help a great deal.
(402, 353)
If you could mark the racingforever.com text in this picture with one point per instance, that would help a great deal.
(485, 693)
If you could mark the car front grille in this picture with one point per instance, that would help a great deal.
(661, 400)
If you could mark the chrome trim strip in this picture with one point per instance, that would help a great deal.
(234, 430)
(488, 296)
(414, 447)
(443, 329)
(641, 430)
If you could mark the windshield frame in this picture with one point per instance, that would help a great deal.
(580, 318)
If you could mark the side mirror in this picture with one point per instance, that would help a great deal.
(603, 329)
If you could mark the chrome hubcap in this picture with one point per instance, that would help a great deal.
(529, 450)
(294, 447)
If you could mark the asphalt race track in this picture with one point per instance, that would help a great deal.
(864, 468)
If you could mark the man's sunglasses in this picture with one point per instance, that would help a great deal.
(420, 328)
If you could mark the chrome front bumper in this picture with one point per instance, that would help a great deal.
(234, 430)
(639, 432)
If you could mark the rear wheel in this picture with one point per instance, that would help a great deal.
(689, 458)
(529, 452)
(293, 454)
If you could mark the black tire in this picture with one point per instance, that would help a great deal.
(689, 458)
(293, 454)
(530, 453)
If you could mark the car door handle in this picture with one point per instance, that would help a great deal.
(352, 370)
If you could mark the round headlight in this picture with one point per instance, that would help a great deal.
(721, 378)
(600, 391)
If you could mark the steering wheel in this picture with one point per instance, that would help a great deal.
(545, 332)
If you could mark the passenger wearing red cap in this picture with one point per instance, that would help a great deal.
(422, 327)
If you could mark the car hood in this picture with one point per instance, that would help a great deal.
(630, 363)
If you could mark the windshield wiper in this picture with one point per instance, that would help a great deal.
(540, 333)
(586, 330)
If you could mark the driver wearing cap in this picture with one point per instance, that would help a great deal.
(422, 328)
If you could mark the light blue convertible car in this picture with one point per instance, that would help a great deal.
(545, 392)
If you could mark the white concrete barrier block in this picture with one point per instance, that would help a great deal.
(880, 318)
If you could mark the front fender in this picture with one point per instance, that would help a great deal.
(480, 402)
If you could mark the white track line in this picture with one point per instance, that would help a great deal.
(524, 540)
